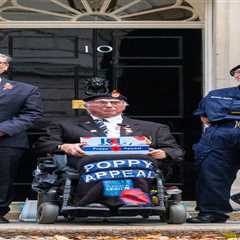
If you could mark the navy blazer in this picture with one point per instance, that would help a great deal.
(70, 131)
(20, 107)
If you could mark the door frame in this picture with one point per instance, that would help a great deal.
(208, 56)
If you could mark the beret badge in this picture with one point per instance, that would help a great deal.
(115, 94)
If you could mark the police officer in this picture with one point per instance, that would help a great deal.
(217, 153)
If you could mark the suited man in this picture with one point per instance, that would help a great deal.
(20, 106)
(64, 137)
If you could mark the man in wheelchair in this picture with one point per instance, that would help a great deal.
(113, 179)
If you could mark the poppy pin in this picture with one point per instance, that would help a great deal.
(7, 86)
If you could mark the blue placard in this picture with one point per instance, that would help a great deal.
(113, 188)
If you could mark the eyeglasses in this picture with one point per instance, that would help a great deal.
(2, 63)
(105, 103)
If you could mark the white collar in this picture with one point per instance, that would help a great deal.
(115, 119)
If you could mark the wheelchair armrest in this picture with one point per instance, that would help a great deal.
(46, 164)
(48, 159)
(72, 173)
(47, 167)
(53, 162)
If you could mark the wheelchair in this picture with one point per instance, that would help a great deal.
(57, 184)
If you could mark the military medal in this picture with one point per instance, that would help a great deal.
(127, 129)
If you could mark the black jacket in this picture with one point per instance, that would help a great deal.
(70, 131)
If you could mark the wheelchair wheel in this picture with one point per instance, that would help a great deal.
(47, 213)
(176, 214)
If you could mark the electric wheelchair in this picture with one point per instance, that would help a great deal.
(104, 186)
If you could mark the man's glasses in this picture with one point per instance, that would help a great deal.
(3, 63)
(105, 103)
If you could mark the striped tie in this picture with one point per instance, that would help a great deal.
(100, 123)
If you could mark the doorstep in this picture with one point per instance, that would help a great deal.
(16, 208)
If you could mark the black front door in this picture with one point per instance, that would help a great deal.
(158, 70)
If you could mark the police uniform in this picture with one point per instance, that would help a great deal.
(217, 153)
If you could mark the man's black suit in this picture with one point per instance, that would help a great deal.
(20, 106)
(70, 131)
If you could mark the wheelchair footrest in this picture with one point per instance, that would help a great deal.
(139, 210)
(86, 211)
(95, 210)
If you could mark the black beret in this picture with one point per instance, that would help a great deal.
(112, 95)
(234, 69)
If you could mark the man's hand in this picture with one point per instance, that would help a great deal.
(73, 149)
(204, 120)
(157, 153)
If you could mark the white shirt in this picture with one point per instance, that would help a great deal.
(112, 125)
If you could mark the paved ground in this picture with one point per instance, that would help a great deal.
(115, 229)
(113, 224)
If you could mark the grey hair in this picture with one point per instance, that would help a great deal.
(7, 57)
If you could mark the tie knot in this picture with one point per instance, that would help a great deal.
(100, 120)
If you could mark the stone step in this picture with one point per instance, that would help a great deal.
(16, 208)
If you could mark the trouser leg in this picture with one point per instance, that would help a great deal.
(216, 174)
(9, 161)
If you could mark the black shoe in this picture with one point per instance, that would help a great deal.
(3, 220)
(207, 218)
